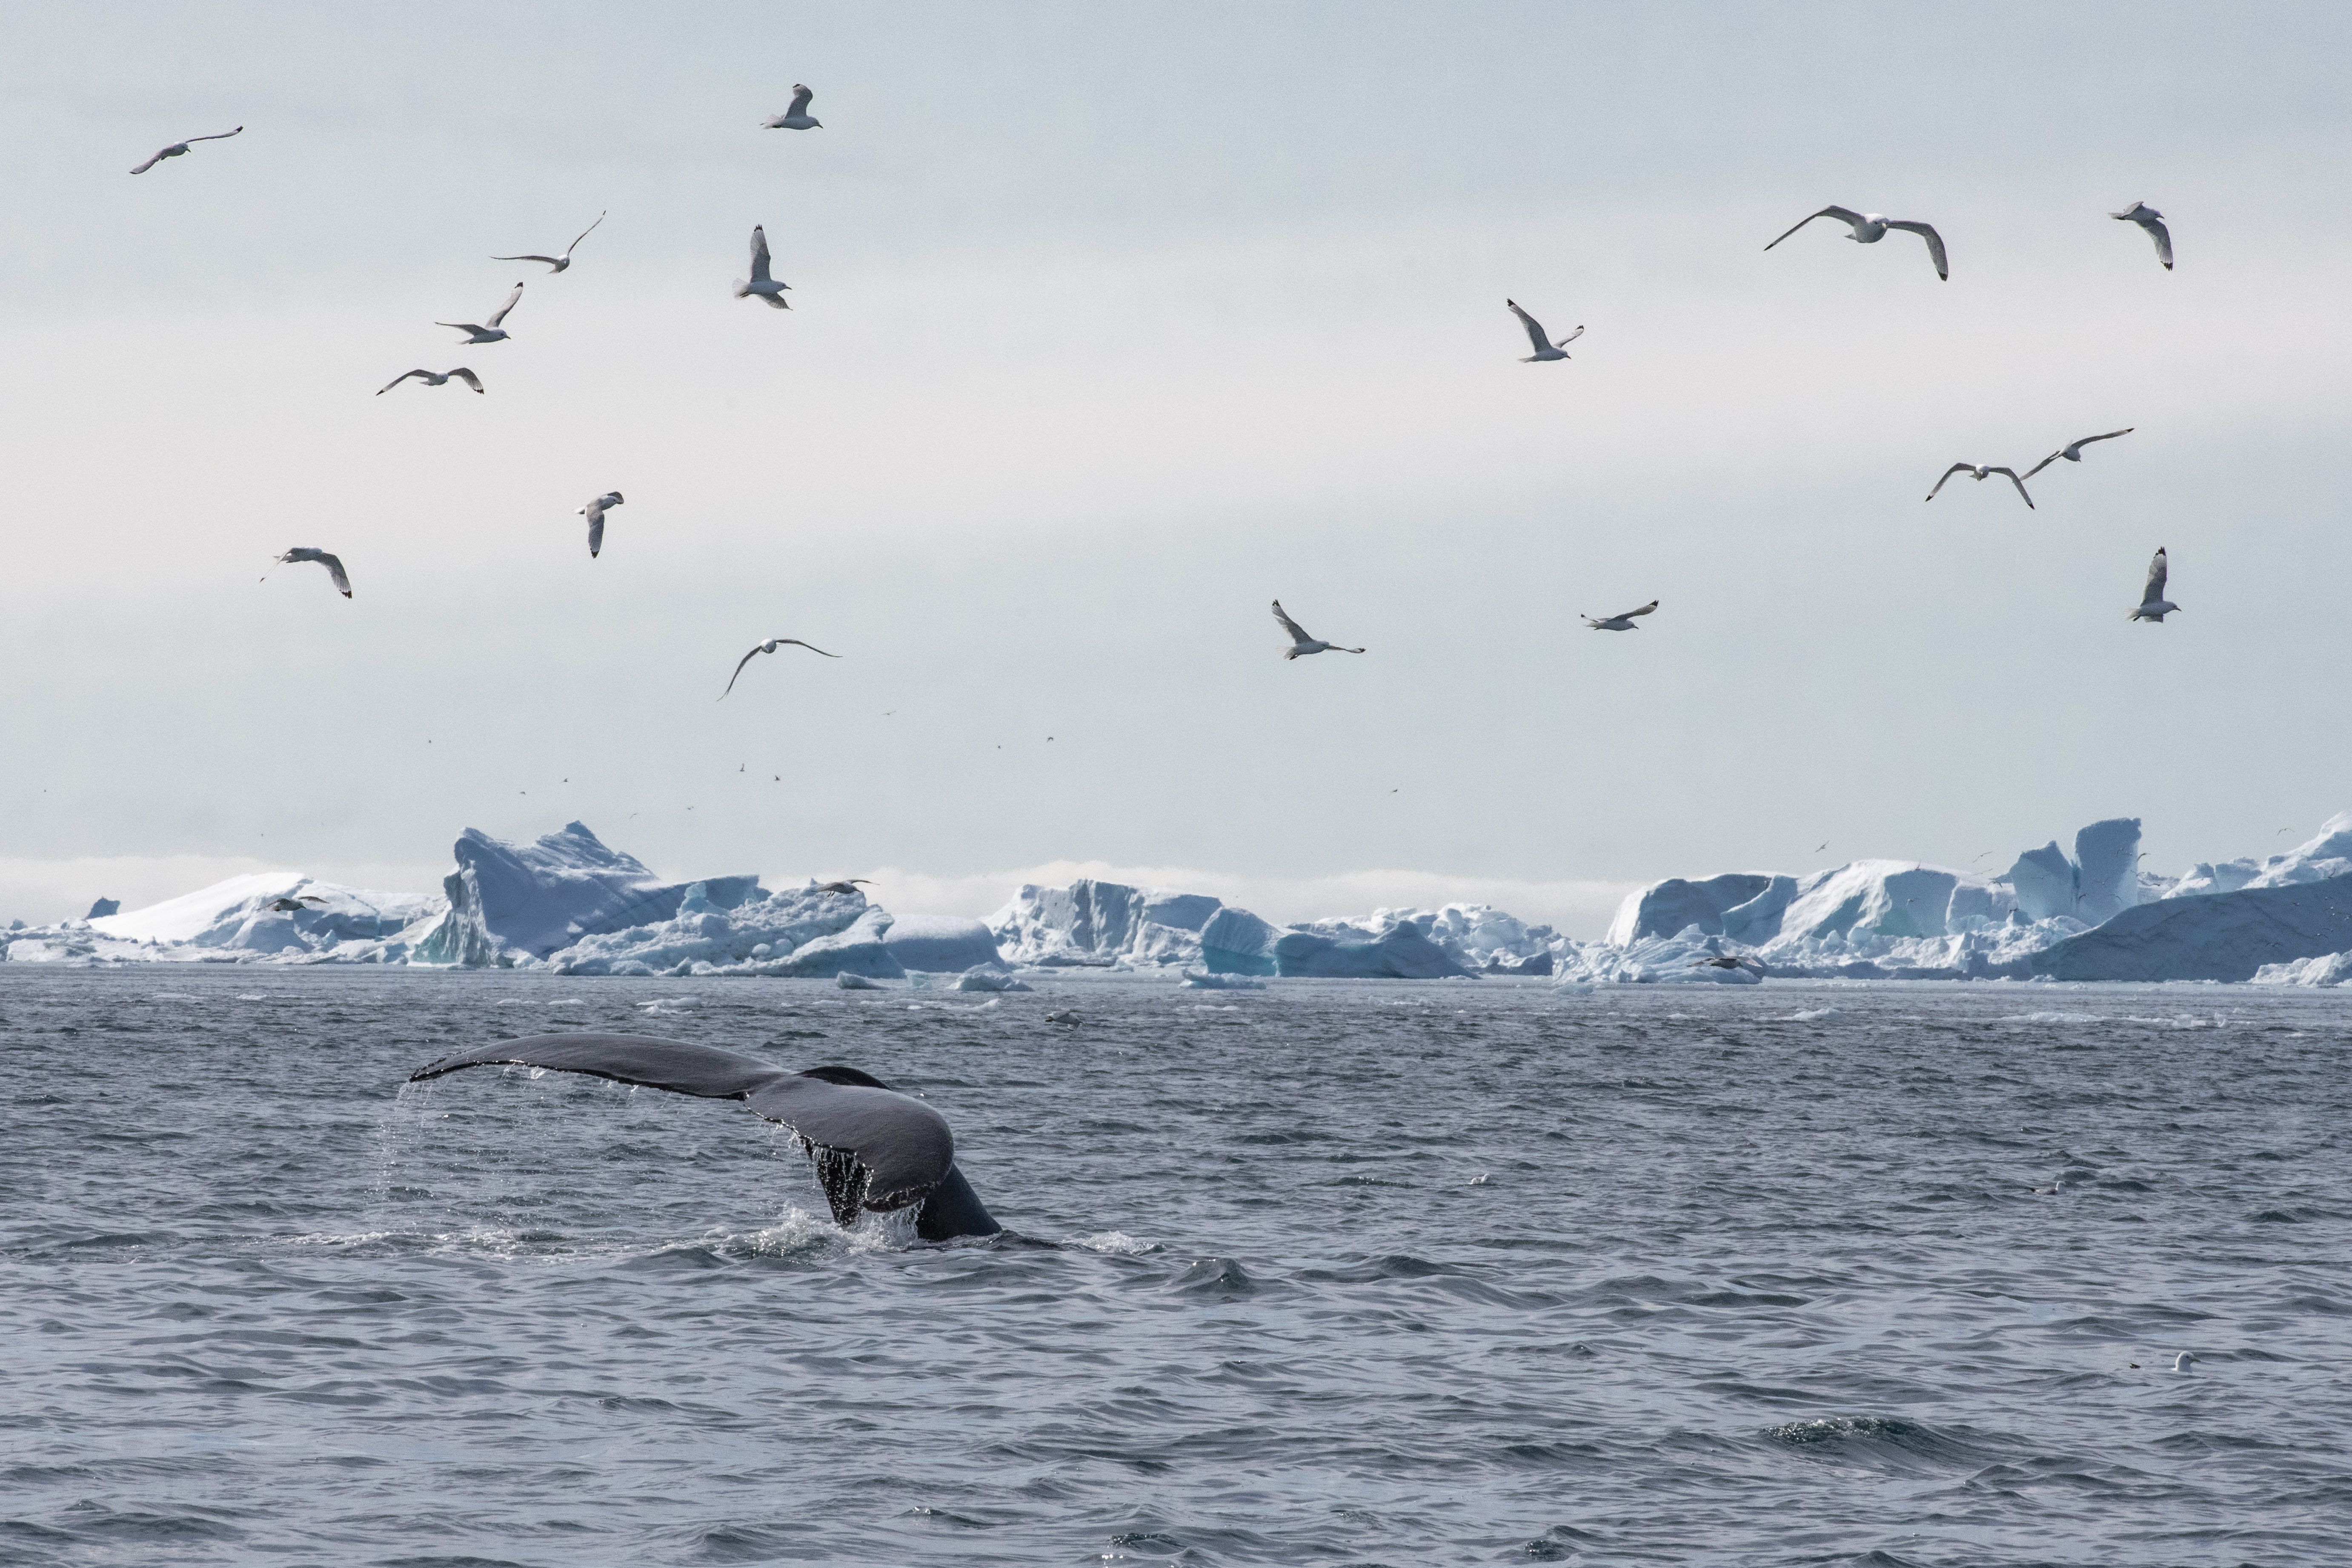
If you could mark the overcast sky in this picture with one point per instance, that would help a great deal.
(1110, 324)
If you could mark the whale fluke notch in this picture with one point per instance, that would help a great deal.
(874, 1148)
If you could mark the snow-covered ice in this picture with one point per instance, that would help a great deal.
(568, 903)
(2327, 969)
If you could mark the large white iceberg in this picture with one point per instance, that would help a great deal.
(511, 902)
(1097, 925)
(2217, 936)
(241, 920)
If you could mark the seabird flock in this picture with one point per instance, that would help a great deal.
(1865, 228)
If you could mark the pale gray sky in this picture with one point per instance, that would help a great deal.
(1109, 325)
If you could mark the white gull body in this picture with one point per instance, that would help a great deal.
(1301, 644)
(1869, 229)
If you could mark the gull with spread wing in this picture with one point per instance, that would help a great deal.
(2073, 450)
(797, 117)
(594, 513)
(771, 645)
(2148, 219)
(434, 378)
(1621, 622)
(489, 332)
(1300, 643)
(1979, 471)
(1869, 229)
(1545, 347)
(2153, 605)
(557, 263)
(178, 149)
(334, 567)
(760, 282)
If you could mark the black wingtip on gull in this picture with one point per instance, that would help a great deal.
(873, 1147)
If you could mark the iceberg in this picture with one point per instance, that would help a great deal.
(1235, 941)
(2217, 936)
(238, 920)
(513, 902)
(2106, 856)
(804, 932)
(1342, 950)
(1099, 924)
(1682, 959)
(2043, 882)
(2327, 969)
(2319, 858)
(941, 943)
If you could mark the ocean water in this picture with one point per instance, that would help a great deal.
(1323, 1274)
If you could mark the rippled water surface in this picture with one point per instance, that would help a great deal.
(1379, 1273)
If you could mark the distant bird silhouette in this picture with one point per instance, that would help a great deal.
(1621, 622)
(2153, 605)
(334, 567)
(594, 513)
(1869, 229)
(1982, 471)
(290, 906)
(771, 645)
(178, 149)
(1301, 644)
(1727, 961)
(797, 117)
(433, 378)
(487, 332)
(557, 263)
(761, 283)
(2147, 217)
(849, 885)
(1545, 348)
(2073, 450)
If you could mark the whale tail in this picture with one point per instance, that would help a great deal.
(874, 1148)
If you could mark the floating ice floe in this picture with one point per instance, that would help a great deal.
(2327, 969)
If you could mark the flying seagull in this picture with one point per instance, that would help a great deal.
(849, 885)
(334, 567)
(1869, 229)
(760, 283)
(2153, 605)
(2140, 213)
(489, 332)
(556, 262)
(1300, 643)
(2073, 450)
(293, 906)
(771, 645)
(178, 148)
(1545, 348)
(1981, 470)
(594, 513)
(432, 379)
(1620, 623)
(797, 117)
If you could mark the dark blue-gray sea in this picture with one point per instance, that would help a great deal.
(1323, 1274)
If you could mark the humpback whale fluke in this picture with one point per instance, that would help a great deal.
(874, 1148)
